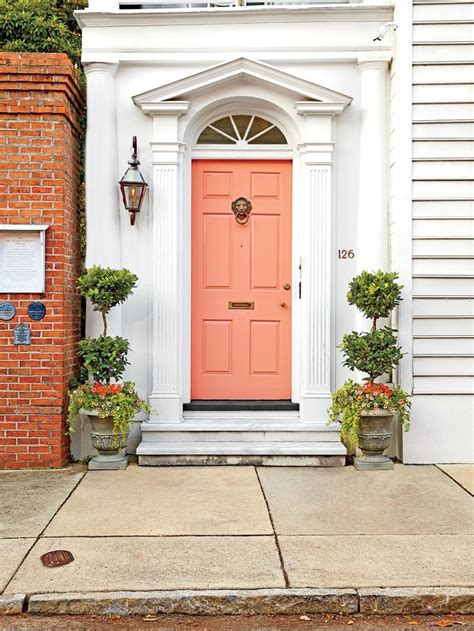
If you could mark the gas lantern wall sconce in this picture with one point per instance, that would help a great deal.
(132, 185)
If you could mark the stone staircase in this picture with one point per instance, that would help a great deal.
(240, 437)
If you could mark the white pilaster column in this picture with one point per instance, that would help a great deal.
(167, 223)
(317, 283)
(102, 192)
(372, 218)
(317, 263)
(167, 261)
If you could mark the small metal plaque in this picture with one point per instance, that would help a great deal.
(37, 310)
(21, 335)
(241, 305)
(56, 558)
(7, 311)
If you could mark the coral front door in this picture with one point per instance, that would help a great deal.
(241, 276)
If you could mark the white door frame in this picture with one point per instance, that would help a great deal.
(260, 153)
(308, 125)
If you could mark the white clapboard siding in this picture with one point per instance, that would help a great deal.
(441, 208)
(443, 326)
(445, 11)
(443, 73)
(454, 93)
(443, 111)
(443, 189)
(448, 247)
(454, 384)
(443, 149)
(443, 169)
(442, 286)
(435, 265)
(442, 32)
(448, 227)
(435, 306)
(436, 346)
(440, 366)
(437, 52)
(445, 131)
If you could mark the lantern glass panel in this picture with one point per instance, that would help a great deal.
(133, 188)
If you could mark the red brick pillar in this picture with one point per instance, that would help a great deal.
(41, 102)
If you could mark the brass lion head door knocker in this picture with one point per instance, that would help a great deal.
(241, 208)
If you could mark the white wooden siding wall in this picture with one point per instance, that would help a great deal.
(443, 197)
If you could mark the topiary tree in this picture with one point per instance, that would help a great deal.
(106, 287)
(375, 294)
(374, 353)
(105, 358)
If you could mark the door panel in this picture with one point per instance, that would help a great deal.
(241, 353)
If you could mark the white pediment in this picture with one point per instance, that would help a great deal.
(175, 96)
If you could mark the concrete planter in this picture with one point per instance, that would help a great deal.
(110, 445)
(375, 432)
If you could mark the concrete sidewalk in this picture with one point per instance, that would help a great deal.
(238, 539)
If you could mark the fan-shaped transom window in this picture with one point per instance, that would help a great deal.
(241, 130)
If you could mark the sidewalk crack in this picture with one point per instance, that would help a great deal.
(277, 543)
(40, 535)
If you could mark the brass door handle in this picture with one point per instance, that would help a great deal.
(286, 286)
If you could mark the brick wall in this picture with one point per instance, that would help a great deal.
(41, 101)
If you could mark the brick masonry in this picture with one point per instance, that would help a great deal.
(41, 102)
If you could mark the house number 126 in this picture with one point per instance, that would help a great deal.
(345, 254)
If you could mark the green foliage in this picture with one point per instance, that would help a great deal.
(118, 401)
(106, 287)
(375, 294)
(41, 26)
(352, 399)
(103, 358)
(374, 353)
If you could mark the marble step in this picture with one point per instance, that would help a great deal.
(238, 431)
(239, 448)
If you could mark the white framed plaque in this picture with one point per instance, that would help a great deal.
(22, 258)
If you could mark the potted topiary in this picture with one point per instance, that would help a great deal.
(109, 406)
(366, 411)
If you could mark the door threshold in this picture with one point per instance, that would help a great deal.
(280, 405)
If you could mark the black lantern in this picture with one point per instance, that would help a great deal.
(132, 185)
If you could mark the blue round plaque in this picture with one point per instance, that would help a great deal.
(7, 311)
(37, 310)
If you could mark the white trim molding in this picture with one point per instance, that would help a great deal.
(237, 69)
(309, 127)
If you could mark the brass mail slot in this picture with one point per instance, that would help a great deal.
(241, 305)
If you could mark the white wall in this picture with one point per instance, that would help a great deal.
(442, 85)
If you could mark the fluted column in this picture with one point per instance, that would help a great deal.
(102, 193)
(166, 392)
(372, 217)
(317, 282)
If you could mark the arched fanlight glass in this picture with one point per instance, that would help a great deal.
(242, 130)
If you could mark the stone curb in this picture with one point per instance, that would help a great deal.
(383, 601)
(417, 600)
(11, 604)
(215, 602)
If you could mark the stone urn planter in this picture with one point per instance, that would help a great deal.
(110, 445)
(375, 432)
